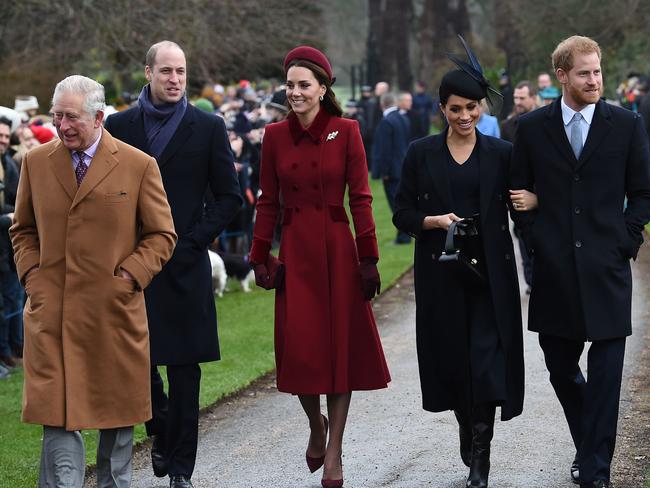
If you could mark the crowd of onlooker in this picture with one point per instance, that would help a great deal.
(247, 110)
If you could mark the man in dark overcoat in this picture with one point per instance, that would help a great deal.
(583, 158)
(392, 137)
(196, 164)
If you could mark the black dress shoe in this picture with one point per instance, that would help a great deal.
(180, 481)
(575, 471)
(158, 457)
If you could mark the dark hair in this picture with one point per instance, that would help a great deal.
(5, 121)
(329, 103)
(532, 89)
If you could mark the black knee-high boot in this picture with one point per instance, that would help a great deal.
(465, 434)
(482, 431)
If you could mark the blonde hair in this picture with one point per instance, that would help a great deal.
(562, 57)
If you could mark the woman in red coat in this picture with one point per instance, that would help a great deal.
(326, 340)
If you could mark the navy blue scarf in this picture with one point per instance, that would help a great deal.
(160, 121)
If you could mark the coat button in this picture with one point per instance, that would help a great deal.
(503, 227)
(294, 166)
(507, 257)
(426, 196)
(576, 177)
(315, 186)
(295, 187)
(434, 257)
(499, 197)
(319, 206)
(297, 209)
(577, 210)
(314, 164)
(578, 243)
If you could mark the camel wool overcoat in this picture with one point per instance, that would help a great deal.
(86, 350)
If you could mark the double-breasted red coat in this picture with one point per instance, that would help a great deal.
(326, 340)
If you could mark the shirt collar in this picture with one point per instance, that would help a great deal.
(568, 112)
(389, 110)
(92, 149)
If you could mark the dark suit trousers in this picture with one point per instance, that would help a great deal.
(176, 418)
(590, 406)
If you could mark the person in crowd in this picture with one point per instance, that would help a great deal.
(89, 235)
(548, 94)
(468, 321)
(374, 113)
(308, 161)
(423, 105)
(391, 142)
(487, 124)
(196, 163)
(583, 157)
(413, 120)
(543, 81)
(11, 299)
(26, 141)
(276, 108)
(26, 106)
(505, 87)
(525, 100)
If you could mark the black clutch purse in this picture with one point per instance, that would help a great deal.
(463, 249)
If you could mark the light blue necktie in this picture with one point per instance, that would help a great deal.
(576, 134)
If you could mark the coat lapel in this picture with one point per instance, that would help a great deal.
(103, 163)
(554, 127)
(179, 138)
(489, 168)
(436, 162)
(61, 162)
(138, 137)
(600, 127)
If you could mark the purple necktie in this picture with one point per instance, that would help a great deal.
(81, 169)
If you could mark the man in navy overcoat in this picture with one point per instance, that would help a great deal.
(589, 164)
(196, 164)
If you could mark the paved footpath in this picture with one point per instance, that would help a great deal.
(259, 438)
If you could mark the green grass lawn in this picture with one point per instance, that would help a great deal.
(246, 337)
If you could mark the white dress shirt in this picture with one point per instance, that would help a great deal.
(585, 123)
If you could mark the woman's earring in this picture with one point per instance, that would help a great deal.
(321, 98)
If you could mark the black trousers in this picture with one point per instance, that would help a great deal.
(176, 417)
(590, 406)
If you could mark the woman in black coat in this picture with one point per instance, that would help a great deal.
(469, 332)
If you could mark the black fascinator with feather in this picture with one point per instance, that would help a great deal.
(469, 81)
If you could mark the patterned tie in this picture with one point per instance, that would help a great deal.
(576, 134)
(81, 169)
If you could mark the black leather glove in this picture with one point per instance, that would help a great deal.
(269, 275)
(370, 281)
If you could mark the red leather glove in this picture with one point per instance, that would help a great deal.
(370, 281)
(269, 275)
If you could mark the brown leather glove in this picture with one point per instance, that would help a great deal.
(269, 275)
(370, 281)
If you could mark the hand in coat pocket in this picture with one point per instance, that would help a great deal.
(269, 275)
(370, 280)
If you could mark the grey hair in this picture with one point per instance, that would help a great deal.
(92, 92)
(388, 100)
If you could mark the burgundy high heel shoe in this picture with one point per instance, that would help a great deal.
(333, 483)
(314, 463)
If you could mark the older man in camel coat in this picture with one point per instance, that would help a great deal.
(91, 229)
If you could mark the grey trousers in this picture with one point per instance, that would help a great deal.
(63, 458)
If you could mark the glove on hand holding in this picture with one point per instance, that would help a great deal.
(370, 281)
(269, 275)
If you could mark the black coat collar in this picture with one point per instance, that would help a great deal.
(488, 154)
(600, 126)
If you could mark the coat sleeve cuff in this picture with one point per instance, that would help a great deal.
(138, 270)
(28, 262)
(259, 252)
(367, 247)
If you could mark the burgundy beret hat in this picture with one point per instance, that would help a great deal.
(309, 54)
